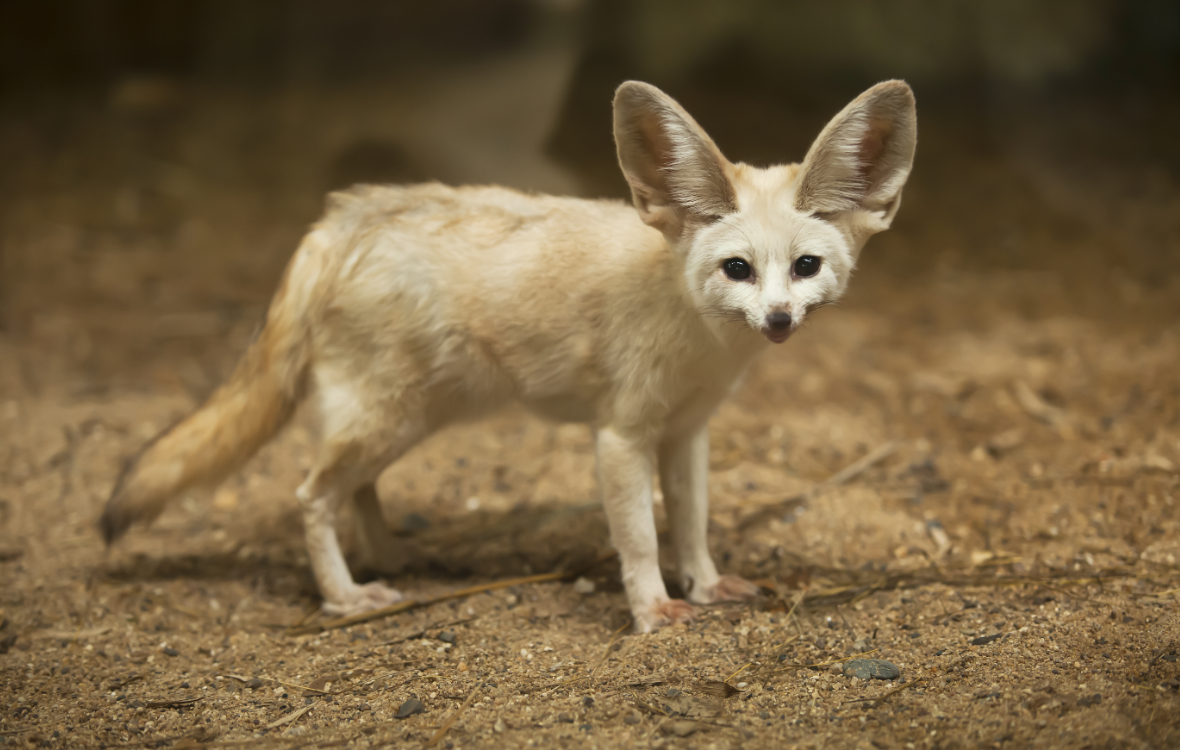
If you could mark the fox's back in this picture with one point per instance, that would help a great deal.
(488, 292)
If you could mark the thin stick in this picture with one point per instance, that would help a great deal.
(377, 614)
(451, 721)
(859, 466)
(782, 649)
(848, 473)
(288, 718)
(739, 671)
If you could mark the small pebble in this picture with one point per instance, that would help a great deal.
(409, 708)
(565, 718)
(446, 636)
(673, 692)
(632, 719)
(169, 651)
(499, 726)
(983, 640)
(584, 586)
(254, 683)
(871, 668)
(415, 522)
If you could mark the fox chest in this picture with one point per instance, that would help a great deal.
(575, 381)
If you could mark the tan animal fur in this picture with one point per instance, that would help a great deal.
(409, 308)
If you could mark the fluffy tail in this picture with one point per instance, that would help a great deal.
(237, 420)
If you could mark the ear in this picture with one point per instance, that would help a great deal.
(861, 160)
(677, 174)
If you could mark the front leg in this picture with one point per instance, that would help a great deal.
(684, 473)
(624, 473)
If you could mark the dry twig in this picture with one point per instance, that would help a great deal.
(343, 622)
(450, 722)
(845, 475)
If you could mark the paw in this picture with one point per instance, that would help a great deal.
(669, 612)
(730, 589)
(363, 598)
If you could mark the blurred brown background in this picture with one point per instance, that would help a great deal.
(161, 159)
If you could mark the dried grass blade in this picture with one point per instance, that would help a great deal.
(290, 717)
(442, 731)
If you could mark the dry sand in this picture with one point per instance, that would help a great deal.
(1017, 364)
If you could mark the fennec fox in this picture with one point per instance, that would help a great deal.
(409, 308)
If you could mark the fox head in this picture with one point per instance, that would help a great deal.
(765, 247)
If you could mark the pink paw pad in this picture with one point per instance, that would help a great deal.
(671, 612)
(732, 589)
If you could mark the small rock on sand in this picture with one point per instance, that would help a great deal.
(872, 669)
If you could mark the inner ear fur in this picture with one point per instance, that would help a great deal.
(862, 159)
(676, 173)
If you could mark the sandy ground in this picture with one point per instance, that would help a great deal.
(1009, 351)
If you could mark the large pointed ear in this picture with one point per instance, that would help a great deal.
(677, 174)
(862, 158)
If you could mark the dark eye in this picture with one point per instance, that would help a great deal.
(807, 265)
(737, 269)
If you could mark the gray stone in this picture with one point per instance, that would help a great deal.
(871, 669)
(409, 708)
(415, 522)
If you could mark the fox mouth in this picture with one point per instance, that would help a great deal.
(777, 336)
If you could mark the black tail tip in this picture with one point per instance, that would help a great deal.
(112, 525)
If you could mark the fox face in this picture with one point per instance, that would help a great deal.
(760, 271)
(764, 247)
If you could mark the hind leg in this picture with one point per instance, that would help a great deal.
(342, 595)
(384, 551)
(360, 439)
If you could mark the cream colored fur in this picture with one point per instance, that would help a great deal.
(409, 308)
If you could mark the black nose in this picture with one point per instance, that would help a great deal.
(779, 321)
